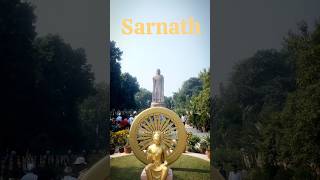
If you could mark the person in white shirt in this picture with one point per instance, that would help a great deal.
(183, 119)
(30, 175)
(119, 118)
(130, 120)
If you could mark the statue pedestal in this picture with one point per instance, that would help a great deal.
(144, 175)
(158, 104)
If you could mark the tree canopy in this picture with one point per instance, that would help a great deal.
(123, 86)
(17, 33)
(44, 79)
(93, 116)
(143, 99)
(200, 103)
(268, 112)
(189, 88)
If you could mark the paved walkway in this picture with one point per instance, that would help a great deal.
(197, 155)
(195, 131)
(115, 155)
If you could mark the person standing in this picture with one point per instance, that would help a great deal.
(119, 118)
(114, 125)
(30, 175)
(124, 123)
(130, 119)
(183, 119)
(235, 174)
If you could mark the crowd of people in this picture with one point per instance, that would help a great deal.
(46, 166)
(122, 120)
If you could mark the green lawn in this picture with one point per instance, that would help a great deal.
(186, 167)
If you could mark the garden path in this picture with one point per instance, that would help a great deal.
(197, 155)
(195, 131)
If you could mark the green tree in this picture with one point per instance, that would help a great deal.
(200, 103)
(182, 98)
(168, 101)
(17, 92)
(115, 75)
(92, 112)
(123, 86)
(44, 80)
(300, 117)
(270, 109)
(245, 108)
(64, 79)
(129, 87)
(143, 99)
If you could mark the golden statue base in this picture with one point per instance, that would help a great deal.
(144, 175)
(158, 104)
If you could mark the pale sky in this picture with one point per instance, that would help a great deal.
(179, 57)
(240, 29)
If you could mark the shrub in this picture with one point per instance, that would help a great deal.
(119, 138)
(204, 144)
(193, 140)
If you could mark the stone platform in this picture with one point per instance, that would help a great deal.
(158, 104)
(144, 175)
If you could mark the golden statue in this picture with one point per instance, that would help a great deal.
(156, 153)
(157, 138)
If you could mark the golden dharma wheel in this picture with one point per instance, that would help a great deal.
(173, 133)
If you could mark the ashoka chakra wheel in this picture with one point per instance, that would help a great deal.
(173, 133)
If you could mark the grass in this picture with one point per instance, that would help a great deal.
(186, 167)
